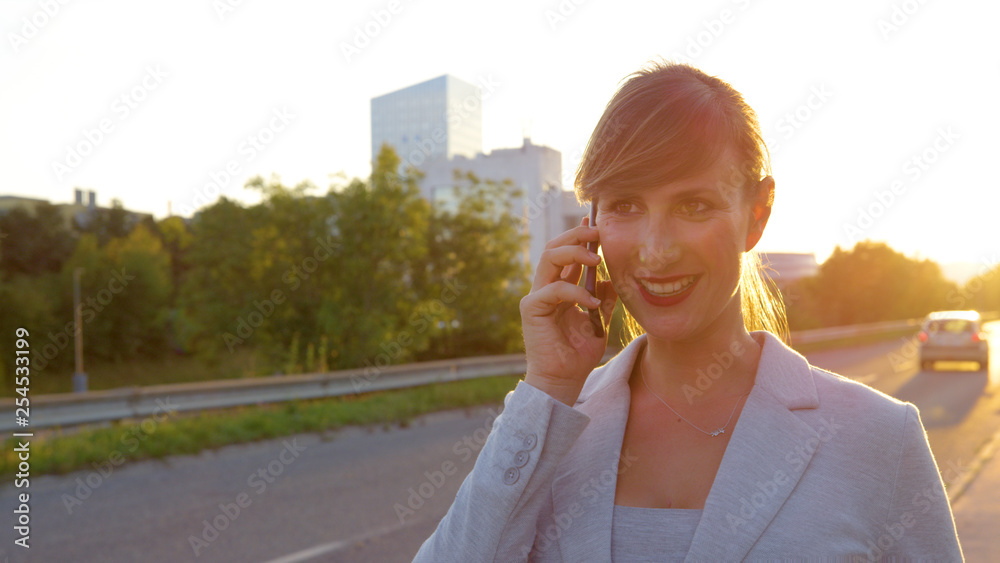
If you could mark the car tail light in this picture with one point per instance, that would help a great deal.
(979, 337)
(922, 336)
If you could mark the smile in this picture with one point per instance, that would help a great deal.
(668, 289)
(666, 294)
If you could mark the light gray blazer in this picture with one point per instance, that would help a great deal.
(818, 467)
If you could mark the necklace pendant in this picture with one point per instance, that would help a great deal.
(719, 431)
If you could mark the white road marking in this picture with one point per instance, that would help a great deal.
(316, 551)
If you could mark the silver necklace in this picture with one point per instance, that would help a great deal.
(721, 430)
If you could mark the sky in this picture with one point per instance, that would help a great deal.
(880, 115)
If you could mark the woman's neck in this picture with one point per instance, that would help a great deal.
(721, 364)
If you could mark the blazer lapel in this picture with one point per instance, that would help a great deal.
(765, 458)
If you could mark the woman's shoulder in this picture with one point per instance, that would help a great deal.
(866, 416)
(828, 394)
(831, 388)
(838, 390)
(838, 386)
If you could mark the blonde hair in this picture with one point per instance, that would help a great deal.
(669, 122)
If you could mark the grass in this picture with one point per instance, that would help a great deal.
(62, 451)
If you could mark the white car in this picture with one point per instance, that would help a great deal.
(953, 336)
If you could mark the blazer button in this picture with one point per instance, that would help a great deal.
(510, 476)
(521, 458)
(529, 441)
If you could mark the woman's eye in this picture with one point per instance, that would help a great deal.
(693, 208)
(622, 207)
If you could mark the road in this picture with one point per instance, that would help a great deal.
(347, 496)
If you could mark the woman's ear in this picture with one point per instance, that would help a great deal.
(760, 211)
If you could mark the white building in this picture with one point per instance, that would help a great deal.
(534, 170)
(436, 126)
(439, 118)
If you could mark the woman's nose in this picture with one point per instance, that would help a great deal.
(659, 249)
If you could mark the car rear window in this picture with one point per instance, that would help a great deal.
(955, 326)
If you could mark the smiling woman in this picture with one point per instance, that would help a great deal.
(722, 442)
(693, 127)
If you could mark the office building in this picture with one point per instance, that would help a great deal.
(439, 118)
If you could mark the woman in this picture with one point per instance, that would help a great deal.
(706, 438)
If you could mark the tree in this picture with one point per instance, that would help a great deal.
(34, 243)
(125, 289)
(141, 286)
(871, 283)
(981, 292)
(374, 312)
(479, 271)
(367, 275)
(294, 259)
(106, 224)
(32, 303)
(176, 238)
(218, 287)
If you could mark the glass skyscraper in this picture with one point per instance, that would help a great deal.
(439, 118)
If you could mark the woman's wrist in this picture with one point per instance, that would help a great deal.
(562, 393)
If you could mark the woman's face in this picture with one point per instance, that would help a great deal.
(674, 251)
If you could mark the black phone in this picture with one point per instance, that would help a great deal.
(591, 276)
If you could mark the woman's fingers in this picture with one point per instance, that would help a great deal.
(577, 235)
(573, 272)
(545, 301)
(555, 259)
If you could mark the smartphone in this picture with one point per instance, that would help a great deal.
(591, 275)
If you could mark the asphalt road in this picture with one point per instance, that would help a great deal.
(345, 496)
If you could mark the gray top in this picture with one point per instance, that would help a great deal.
(652, 534)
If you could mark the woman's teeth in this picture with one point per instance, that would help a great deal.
(667, 289)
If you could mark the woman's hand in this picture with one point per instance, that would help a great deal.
(561, 345)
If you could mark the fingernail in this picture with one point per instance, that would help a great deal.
(595, 256)
(595, 301)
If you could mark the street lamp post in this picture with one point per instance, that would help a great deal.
(79, 377)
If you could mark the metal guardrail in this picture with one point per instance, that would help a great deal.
(837, 332)
(66, 409)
